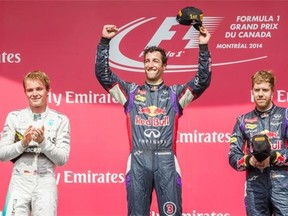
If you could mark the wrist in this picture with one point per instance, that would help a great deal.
(274, 156)
(23, 144)
(203, 47)
(41, 141)
(105, 41)
(247, 161)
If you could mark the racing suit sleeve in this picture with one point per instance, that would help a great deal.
(280, 158)
(114, 85)
(10, 146)
(196, 86)
(58, 150)
(238, 155)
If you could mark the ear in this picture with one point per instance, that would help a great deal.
(48, 91)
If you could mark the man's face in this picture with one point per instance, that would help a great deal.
(262, 94)
(153, 67)
(37, 95)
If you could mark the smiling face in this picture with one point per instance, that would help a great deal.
(37, 87)
(155, 61)
(154, 67)
(37, 95)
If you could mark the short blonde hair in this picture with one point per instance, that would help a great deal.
(37, 75)
(264, 76)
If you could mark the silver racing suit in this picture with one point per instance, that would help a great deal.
(33, 184)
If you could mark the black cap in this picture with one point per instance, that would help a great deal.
(261, 147)
(190, 16)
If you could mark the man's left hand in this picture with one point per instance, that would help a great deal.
(38, 134)
(204, 36)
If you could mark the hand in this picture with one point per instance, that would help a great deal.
(259, 165)
(204, 36)
(37, 134)
(109, 31)
(27, 137)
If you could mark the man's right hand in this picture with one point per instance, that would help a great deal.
(27, 137)
(109, 31)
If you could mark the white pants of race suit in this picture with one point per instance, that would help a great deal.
(31, 193)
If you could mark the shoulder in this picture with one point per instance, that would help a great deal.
(281, 108)
(18, 112)
(248, 116)
(56, 114)
(174, 88)
(133, 86)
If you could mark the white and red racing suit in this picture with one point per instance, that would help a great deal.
(152, 119)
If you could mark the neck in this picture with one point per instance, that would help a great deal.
(265, 109)
(38, 109)
(157, 82)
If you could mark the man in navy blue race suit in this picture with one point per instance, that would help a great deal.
(152, 111)
(266, 187)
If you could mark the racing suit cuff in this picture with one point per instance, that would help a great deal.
(43, 141)
(19, 147)
(203, 47)
(247, 159)
(43, 144)
(104, 41)
(274, 157)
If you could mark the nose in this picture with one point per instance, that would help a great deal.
(150, 64)
(260, 93)
(34, 92)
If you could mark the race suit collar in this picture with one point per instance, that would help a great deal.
(39, 115)
(154, 88)
(264, 114)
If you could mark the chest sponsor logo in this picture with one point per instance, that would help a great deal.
(250, 126)
(152, 121)
(140, 98)
(277, 117)
(152, 133)
(252, 120)
(274, 138)
(271, 134)
(277, 145)
(152, 111)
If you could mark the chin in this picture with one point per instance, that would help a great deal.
(262, 107)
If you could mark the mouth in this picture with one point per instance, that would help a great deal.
(261, 100)
(35, 99)
(150, 69)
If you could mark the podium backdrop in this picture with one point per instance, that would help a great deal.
(60, 38)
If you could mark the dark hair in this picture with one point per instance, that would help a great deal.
(264, 76)
(157, 49)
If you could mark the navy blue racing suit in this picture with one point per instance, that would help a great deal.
(266, 190)
(152, 119)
